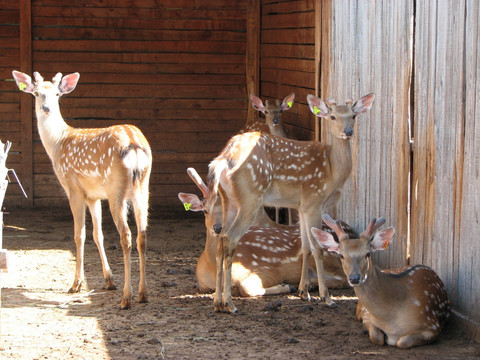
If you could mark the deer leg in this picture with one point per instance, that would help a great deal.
(95, 207)
(245, 215)
(408, 341)
(306, 252)
(140, 205)
(77, 206)
(118, 208)
(318, 257)
(217, 297)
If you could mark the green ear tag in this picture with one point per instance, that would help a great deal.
(22, 86)
(290, 103)
(187, 206)
(316, 110)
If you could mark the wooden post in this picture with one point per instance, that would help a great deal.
(253, 53)
(323, 16)
(26, 113)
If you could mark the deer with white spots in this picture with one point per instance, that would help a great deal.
(273, 124)
(273, 116)
(268, 259)
(256, 169)
(401, 307)
(111, 163)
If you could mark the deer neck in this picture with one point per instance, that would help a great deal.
(277, 131)
(51, 128)
(341, 158)
(377, 291)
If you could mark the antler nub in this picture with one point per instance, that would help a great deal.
(372, 227)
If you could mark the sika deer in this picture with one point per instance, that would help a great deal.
(402, 307)
(268, 255)
(257, 169)
(273, 116)
(112, 163)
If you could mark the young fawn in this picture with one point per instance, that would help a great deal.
(256, 169)
(111, 163)
(273, 116)
(268, 257)
(402, 307)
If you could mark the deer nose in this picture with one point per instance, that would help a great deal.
(348, 132)
(217, 228)
(275, 120)
(45, 108)
(354, 279)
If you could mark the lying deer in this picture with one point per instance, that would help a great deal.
(256, 169)
(268, 257)
(273, 116)
(403, 307)
(112, 163)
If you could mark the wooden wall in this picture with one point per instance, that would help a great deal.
(419, 140)
(446, 187)
(287, 59)
(175, 69)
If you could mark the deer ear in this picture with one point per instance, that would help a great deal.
(288, 102)
(363, 104)
(69, 82)
(191, 202)
(23, 81)
(382, 239)
(257, 103)
(325, 240)
(317, 106)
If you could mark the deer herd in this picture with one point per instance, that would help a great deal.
(246, 253)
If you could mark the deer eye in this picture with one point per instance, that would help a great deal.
(332, 117)
(266, 112)
(340, 256)
(35, 93)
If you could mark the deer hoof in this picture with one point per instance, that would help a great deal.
(76, 287)
(126, 304)
(304, 295)
(143, 298)
(109, 285)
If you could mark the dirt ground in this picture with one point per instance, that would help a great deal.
(40, 320)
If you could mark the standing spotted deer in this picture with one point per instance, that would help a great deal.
(403, 307)
(268, 258)
(257, 169)
(111, 163)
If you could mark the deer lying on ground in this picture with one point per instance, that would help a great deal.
(273, 116)
(403, 307)
(268, 257)
(111, 163)
(256, 169)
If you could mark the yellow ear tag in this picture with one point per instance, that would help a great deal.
(187, 206)
(290, 103)
(316, 110)
(22, 86)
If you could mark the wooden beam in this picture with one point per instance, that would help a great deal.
(323, 15)
(253, 53)
(26, 112)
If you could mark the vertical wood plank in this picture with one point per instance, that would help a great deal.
(467, 247)
(253, 53)
(26, 112)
